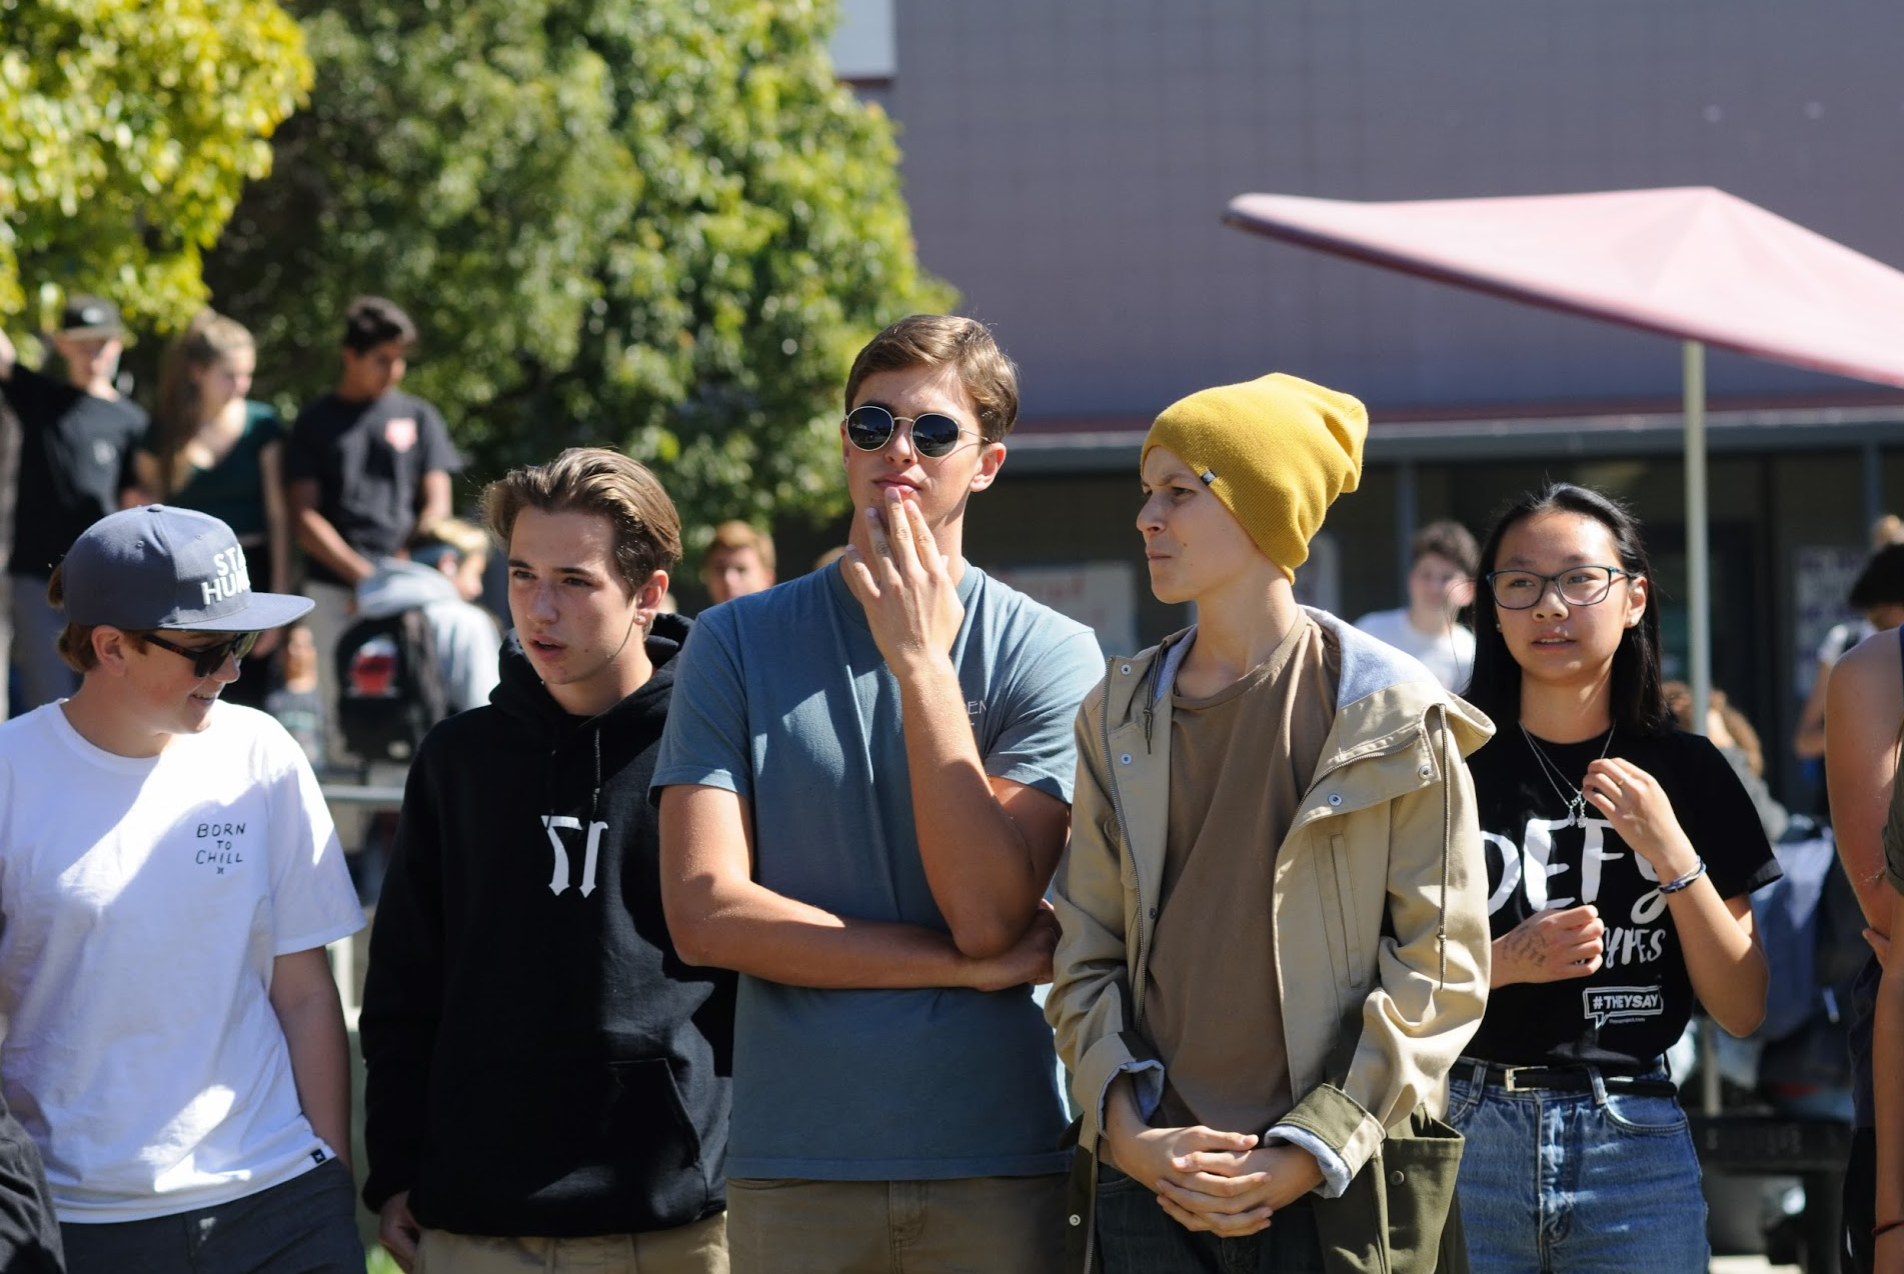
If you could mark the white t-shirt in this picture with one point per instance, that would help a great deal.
(1449, 656)
(1841, 638)
(144, 900)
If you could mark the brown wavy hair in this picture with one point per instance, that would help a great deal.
(595, 480)
(209, 337)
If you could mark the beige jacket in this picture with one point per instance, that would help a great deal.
(1379, 899)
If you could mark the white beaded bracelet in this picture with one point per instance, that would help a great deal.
(1674, 886)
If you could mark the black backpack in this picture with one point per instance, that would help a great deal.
(390, 685)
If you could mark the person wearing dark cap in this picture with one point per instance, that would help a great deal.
(75, 464)
(172, 1036)
(366, 466)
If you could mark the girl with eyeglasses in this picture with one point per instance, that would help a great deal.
(1620, 855)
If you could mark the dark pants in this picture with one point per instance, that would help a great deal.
(1136, 1236)
(29, 1236)
(1860, 1201)
(1861, 1169)
(307, 1225)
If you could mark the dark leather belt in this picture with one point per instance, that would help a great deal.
(1573, 1079)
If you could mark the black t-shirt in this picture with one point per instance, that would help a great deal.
(368, 459)
(75, 459)
(1638, 1002)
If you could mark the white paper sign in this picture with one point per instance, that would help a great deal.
(1101, 595)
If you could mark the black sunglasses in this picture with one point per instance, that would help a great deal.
(207, 660)
(934, 434)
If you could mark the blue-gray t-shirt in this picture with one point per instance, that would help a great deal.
(783, 698)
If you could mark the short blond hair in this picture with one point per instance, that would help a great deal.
(595, 480)
(735, 535)
(454, 534)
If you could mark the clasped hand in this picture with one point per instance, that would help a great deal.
(1221, 1182)
(911, 600)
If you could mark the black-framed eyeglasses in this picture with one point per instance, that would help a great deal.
(935, 434)
(1577, 585)
(207, 660)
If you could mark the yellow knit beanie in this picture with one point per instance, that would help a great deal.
(1277, 451)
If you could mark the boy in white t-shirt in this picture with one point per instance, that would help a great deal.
(169, 878)
(1440, 584)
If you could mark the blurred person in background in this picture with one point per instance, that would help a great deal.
(441, 572)
(366, 465)
(1733, 734)
(1878, 595)
(75, 468)
(739, 561)
(295, 702)
(1440, 584)
(213, 449)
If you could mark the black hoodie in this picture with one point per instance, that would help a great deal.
(540, 1062)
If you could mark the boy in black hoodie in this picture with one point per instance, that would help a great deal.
(547, 1082)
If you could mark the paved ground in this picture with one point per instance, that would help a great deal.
(1748, 1265)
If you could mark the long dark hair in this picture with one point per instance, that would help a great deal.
(1639, 702)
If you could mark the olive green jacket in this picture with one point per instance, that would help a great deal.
(1379, 901)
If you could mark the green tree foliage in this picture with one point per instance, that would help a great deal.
(127, 130)
(664, 227)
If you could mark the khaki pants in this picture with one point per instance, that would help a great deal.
(700, 1248)
(972, 1225)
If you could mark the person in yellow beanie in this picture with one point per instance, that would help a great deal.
(1272, 908)
(1275, 451)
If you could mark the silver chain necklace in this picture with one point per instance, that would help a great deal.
(1577, 803)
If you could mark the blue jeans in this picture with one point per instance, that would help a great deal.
(1136, 1236)
(1570, 1182)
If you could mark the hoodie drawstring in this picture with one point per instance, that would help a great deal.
(595, 787)
(595, 792)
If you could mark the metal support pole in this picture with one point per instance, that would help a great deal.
(1872, 463)
(1407, 516)
(1698, 547)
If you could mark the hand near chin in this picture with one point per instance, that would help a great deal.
(911, 600)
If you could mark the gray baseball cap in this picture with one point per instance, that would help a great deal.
(159, 567)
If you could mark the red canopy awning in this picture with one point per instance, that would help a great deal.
(1690, 262)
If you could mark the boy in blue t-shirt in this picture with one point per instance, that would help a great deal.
(864, 789)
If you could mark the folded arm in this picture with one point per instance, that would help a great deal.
(719, 915)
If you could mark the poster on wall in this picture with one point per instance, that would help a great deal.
(1100, 595)
(1821, 577)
